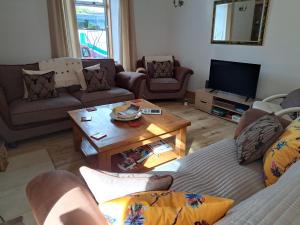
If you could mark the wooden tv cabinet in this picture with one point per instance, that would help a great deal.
(222, 104)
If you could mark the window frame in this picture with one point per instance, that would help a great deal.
(106, 7)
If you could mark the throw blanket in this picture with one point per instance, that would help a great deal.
(65, 70)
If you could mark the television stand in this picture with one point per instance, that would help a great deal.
(225, 105)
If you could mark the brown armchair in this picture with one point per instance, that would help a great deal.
(164, 88)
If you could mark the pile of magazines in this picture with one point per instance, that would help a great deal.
(137, 156)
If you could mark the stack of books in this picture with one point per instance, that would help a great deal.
(137, 156)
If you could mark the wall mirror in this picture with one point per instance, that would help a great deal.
(239, 22)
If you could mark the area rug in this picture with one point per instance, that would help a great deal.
(20, 171)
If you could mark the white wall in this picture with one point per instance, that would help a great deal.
(153, 26)
(25, 32)
(24, 35)
(279, 56)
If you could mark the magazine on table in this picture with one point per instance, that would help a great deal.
(127, 164)
(135, 156)
(139, 154)
(160, 147)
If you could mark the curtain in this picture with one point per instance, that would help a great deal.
(128, 54)
(63, 28)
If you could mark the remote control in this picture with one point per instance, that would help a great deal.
(151, 111)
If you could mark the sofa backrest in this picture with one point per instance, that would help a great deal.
(11, 80)
(109, 64)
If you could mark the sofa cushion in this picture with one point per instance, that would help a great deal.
(283, 153)
(251, 116)
(39, 86)
(96, 78)
(164, 84)
(292, 100)
(161, 69)
(108, 64)
(106, 186)
(103, 97)
(277, 204)
(24, 112)
(257, 138)
(223, 176)
(11, 79)
(165, 208)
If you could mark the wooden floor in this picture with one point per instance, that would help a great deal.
(204, 131)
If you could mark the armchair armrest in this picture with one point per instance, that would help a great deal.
(181, 72)
(60, 197)
(4, 110)
(274, 97)
(288, 111)
(130, 81)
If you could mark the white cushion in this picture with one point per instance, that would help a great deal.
(108, 186)
(66, 70)
(267, 106)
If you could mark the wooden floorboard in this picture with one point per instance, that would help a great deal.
(205, 130)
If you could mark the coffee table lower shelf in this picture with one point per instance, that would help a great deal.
(149, 164)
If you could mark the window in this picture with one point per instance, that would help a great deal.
(92, 22)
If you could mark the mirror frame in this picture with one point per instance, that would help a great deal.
(263, 27)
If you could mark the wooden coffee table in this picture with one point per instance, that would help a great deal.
(122, 136)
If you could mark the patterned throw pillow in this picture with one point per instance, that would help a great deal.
(165, 207)
(256, 139)
(161, 69)
(40, 86)
(284, 153)
(95, 78)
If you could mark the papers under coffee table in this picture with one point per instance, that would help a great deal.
(120, 136)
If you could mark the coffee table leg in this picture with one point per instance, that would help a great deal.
(77, 137)
(180, 143)
(104, 159)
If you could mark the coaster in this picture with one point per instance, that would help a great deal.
(86, 118)
(135, 123)
(91, 109)
(136, 101)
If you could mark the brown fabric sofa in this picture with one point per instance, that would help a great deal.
(21, 119)
(164, 88)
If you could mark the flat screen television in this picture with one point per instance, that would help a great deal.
(234, 77)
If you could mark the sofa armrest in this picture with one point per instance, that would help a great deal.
(130, 81)
(141, 70)
(60, 197)
(119, 68)
(4, 110)
(182, 72)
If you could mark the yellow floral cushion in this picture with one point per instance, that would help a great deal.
(165, 207)
(284, 153)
